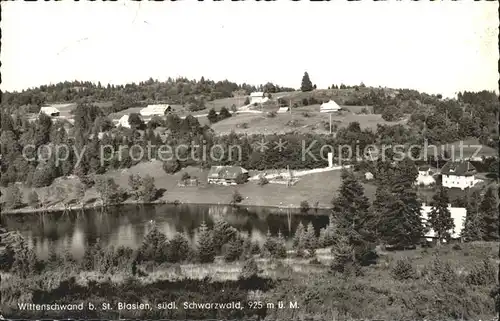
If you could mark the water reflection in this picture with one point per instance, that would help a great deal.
(127, 225)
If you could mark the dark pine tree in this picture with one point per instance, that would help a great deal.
(212, 116)
(440, 217)
(354, 219)
(401, 225)
(473, 224)
(206, 249)
(488, 210)
(306, 83)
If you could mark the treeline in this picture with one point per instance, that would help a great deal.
(172, 91)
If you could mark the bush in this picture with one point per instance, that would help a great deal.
(249, 270)
(33, 199)
(185, 176)
(13, 197)
(271, 114)
(263, 181)
(304, 206)
(171, 166)
(403, 270)
(236, 198)
(241, 179)
(306, 114)
(483, 273)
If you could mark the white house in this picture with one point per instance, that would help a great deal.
(258, 98)
(151, 110)
(425, 176)
(329, 107)
(283, 110)
(368, 176)
(50, 111)
(458, 174)
(123, 121)
(457, 214)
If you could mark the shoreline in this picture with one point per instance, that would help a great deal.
(60, 208)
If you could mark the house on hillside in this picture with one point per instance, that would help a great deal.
(258, 98)
(283, 110)
(226, 175)
(425, 176)
(152, 110)
(458, 174)
(457, 214)
(329, 107)
(50, 111)
(123, 121)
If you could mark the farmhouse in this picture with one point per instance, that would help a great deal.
(50, 111)
(283, 110)
(152, 110)
(226, 175)
(425, 176)
(458, 174)
(329, 107)
(457, 214)
(258, 98)
(123, 121)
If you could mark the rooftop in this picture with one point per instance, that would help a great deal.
(458, 168)
(226, 172)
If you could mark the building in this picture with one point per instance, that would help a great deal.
(425, 176)
(123, 121)
(457, 214)
(226, 175)
(258, 98)
(368, 176)
(329, 107)
(50, 111)
(152, 110)
(458, 174)
(283, 110)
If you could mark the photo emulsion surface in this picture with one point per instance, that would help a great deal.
(249, 160)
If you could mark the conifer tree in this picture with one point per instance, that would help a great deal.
(149, 189)
(206, 249)
(299, 240)
(178, 248)
(212, 116)
(250, 269)
(353, 218)
(306, 83)
(488, 210)
(153, 246)
(472, 230)
(401, 225)
(311, 241)
(440, 217)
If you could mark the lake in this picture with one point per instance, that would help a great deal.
(128, 224)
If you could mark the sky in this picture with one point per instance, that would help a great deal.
(436, 47)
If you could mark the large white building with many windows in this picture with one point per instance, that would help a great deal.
(458, 174)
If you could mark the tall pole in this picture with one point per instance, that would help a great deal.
(330, 122)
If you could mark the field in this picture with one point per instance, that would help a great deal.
(301, 119)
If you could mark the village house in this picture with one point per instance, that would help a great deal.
(123, 121)
(458, 174)
(258, 98)
(425, 176)
(50, 111)
(152, 110)
(226, 175)
(457, 214)
(329, 107)
(283, 110)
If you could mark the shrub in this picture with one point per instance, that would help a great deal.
(241, 179)
(13, 197)
(403, 270)
(364, 110)
(263, 181)
(304, 206)
(483, 273)
(33, 199)
(185, 176)
(306, 114)
(171, 166)
(236, 198)
(247, 101)
(250, 269)
(271, 114)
